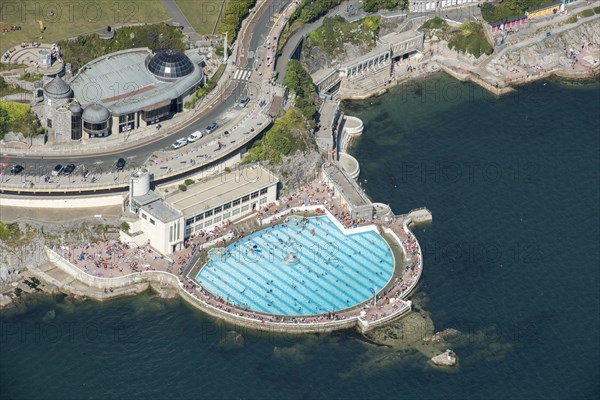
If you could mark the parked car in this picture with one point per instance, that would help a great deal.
(16, 169)
(244, 101)
(68, 169)
(57, 170)
(211, 128)
(179, 143)
(194, 136)
(120, 164)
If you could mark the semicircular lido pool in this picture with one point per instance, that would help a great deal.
(303, 267)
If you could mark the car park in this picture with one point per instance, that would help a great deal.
(244, 101)
(68, 169)
(179, 143)
(211, 128)
(120, 164)
(57, 170)
(16, 169)
(194, 136)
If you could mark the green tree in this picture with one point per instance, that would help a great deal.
(4, 122)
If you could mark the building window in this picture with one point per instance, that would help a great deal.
(208, 213)
(217, 219)
(226, 206)
(235, 211)
(49, 123)
(245, 208)
(207, 223)
(143, 215)
(226, 214)
(245, 198)
(236, 202)
(152, 221)
(199, 217)
(156, 114)
(263, 200)
(218, 209)
(171, 233)
(264, 191)
(189, 221)
(254, 195)
(126, 122)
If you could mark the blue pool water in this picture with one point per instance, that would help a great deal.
(328, 271)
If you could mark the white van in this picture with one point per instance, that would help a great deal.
(194, 136)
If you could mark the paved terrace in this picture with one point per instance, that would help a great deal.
(111, 259)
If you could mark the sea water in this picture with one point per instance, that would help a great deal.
(511, 260)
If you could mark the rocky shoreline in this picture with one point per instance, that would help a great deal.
(555, 49)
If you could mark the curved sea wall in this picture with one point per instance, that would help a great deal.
(161, 279)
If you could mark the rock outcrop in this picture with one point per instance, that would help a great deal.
(550, 53)
(446, 359)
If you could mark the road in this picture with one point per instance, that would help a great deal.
(225, 111)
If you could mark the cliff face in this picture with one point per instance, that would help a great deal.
(550, 53)
(315, 59)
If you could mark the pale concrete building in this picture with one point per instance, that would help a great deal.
(165, 223)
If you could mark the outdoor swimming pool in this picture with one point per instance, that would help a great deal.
(302, 267)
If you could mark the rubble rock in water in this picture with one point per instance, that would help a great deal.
(446, 359)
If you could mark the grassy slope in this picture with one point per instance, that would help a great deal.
(202, 14)
(74, 18)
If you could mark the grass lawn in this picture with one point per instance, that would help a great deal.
(202, 14)
(72, 18)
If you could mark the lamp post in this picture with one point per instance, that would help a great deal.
(225, 49)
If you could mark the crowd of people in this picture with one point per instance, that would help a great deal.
(113, 258)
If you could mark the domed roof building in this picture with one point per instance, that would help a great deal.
(169, 65)
(96, 114)
(58, 89)
(96, 120)
(135, 88)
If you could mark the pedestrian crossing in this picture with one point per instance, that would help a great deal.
(242, 74)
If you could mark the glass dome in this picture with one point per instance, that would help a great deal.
(170, 65)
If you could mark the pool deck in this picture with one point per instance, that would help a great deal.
(109, 265)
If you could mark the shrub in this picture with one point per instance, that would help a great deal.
(469, 38)
(376, 5)
(586, 13)
(182, 188)
(597, 10)
(188, 182)
(227, 170)
(125, 227)
(233, 14)
(18, 117)
(572, 19)
(154, 36)
(299, 81)
(434, 23)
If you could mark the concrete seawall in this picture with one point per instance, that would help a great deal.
(107, 288)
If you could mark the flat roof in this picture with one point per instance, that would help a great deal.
(346, 186)
(221, 188)
(122, 83)
(146, 198)
(399, 37)
(161, 211)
